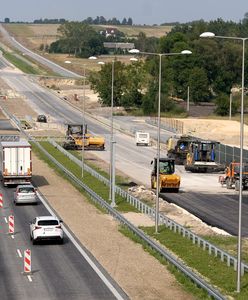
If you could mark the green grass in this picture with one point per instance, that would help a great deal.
(101, 189)
(183, 280)
(209, 266)
(20, 64)
(26, 64)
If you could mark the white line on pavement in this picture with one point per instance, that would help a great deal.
(19, 252)
(30, 278)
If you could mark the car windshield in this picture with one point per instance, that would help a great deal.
(28, 189)
(48, 222)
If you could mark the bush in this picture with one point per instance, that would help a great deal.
(223, 105)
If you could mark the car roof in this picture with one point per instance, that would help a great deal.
(39, 218)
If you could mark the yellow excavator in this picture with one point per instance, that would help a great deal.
(74, 139)
(168, 180)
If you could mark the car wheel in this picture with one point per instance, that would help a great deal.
(61, 241)
(34, 241)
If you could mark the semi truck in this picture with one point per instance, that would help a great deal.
(16, 162)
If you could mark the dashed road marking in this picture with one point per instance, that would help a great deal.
(19, 252)
(12, 236)
(5, 219)
(30, 278)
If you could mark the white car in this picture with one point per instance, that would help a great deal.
(25, 194)
(46, 228)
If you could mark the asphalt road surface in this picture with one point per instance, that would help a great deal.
(58, 271)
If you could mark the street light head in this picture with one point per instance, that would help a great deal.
(207, 35)
(133, 59)
(67, 62)
(186, 52)
(134, 51)
(92, 57)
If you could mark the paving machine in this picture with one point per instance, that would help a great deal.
(178, 148)
(201, 157)
(232, 176)
(167, 178)
(74, 139)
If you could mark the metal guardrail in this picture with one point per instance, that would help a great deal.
(149, 211)
(165, 254)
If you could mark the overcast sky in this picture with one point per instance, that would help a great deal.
(141, 11)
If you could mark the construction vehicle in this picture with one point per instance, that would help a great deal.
(167, 178)
(75, 136)
(232, 176)
(178, 148)
(201, 157)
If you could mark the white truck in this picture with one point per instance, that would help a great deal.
(142, 138)
(16, 162)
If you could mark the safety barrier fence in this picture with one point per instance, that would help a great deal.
(149, 211)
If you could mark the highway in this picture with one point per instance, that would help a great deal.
(58, 271)
(136, 161)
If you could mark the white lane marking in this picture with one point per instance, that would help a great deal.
(19, 253)
(30, 278)
(12, 236)
(85, 255)
(5, 219)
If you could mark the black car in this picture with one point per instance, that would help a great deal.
(42, 118)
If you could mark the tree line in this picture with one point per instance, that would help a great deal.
(211, 71)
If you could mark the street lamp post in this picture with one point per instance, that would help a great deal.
(212, 35)
(112, 141)
(84, 98)
(160, 55)
(112, 144)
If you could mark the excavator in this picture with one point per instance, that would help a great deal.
(167, 177)
(74, 139)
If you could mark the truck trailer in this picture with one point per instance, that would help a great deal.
(16, 162)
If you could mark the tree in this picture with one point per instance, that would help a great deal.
(124, 21)
(223, 105)
(78, 38)
(128, 82)
(199, 87)
(130, 21)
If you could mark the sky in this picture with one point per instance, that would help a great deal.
(141, 11)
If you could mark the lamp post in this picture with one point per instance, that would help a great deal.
(160, 55)
(212, 35)
(84, 84)
(230, 106)
(112, 140)
(112, 143)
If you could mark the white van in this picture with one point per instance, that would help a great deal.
(142, 138)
